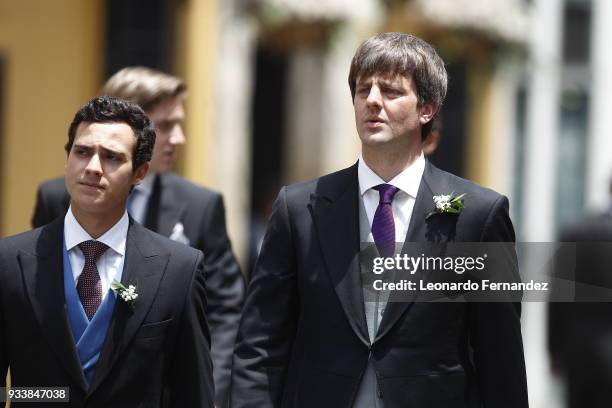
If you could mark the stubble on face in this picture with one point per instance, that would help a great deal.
(389, 119)
(387, 111)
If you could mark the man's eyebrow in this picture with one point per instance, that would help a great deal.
(382, 81)
(394, 82)
(115, 152)
(103, 149)
(81, 146)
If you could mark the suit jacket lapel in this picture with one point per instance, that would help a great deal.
(336, 218)
(422, 207)
(44, 279)
(164, 209)
(144, 266)
(432, 183)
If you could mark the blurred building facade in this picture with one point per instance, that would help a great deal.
(269, 102)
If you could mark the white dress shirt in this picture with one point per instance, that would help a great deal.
(110, 264)
(139, 198)
(407, 181)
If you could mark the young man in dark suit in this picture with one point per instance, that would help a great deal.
(172, 206)
(307, 338)
(65, 321)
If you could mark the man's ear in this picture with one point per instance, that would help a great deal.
(427, 112)
(140, 173)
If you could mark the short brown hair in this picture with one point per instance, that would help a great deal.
(144, 86)
(404, 54)
(107, 109)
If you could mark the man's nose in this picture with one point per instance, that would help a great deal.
(94, 165)
(177, 137)
(374, 96)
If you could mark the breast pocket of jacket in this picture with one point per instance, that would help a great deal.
(153, 330)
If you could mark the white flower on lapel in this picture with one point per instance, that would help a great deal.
(442, 202)
(447, 204)
(178, 234)
(128, 295)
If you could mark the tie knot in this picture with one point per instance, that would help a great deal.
(386, 193)
(92, 250)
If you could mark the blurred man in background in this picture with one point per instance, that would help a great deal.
(580, 331)
(432, 140)
(172, 206)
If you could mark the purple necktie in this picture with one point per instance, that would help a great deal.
(383, 226)
(89, 286)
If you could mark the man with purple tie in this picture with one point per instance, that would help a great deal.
(95, 302)
(307, 336)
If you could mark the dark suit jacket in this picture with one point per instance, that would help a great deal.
(580, 332)
(155, 355)
(303, 339)
(202, 213)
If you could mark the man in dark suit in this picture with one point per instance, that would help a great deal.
(579, 324)
(65, 321)
(307, 338)
(172, 206)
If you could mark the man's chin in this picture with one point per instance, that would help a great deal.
(86, 195)
(161, 168)
(161, 164)
(88, 206)
(376, 139)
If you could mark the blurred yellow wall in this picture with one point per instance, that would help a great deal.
(53, 53)
(478, 167)
(195, 61)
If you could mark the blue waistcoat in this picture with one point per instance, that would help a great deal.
(88, 335)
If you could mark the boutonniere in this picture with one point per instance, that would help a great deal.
(447, 204)
(128, 295)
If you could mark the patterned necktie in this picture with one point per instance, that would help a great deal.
(89, 286)
(383, 226)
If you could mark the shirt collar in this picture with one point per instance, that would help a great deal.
(408, 180)
(115, 238)
(146, 185)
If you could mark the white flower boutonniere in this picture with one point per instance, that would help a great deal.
(128, 295)
(447, 204)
